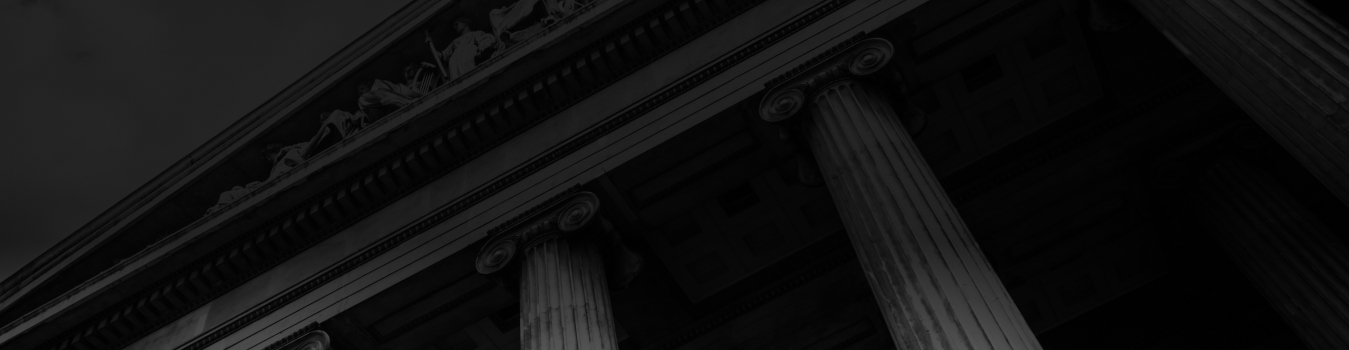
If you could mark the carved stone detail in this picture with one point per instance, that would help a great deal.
(575, 216)
(861, 59)
(468, 49)
(564, 297)
(569, 254)
(312, 340)
(359, 196)
(567, 217)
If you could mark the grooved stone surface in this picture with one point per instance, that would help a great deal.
(564, 298)
(931, 280)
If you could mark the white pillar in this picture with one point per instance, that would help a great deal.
(564, 290)
(1293, 259)
(1282, 61)
(932, 282)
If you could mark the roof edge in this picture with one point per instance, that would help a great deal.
(67, 248)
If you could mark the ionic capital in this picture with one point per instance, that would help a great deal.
(856, 58)
(574, 214)
(313, 339)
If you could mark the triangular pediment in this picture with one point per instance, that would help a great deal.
(397, 107)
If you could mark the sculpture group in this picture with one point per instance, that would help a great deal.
(510, 24)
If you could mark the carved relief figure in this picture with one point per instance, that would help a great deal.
(559, 9)
(381, 92)
(506, 21)
(461, 55)
(338, 121)
(511, 23)
(419, 81)
(234, 194)
(285, 158)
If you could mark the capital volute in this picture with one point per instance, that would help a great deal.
(575, 214)
(858, 57)
(309, 339)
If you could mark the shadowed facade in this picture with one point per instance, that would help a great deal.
(745, 174)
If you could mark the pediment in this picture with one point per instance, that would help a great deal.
(332, 181)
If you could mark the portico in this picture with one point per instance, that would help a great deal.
(716, 174)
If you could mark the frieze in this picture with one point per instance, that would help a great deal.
(673, 90)
(534, 17)
(297, 233)
(441, 65)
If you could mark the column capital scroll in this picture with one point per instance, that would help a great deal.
(857, 57)
(571, 215)
(574, 214)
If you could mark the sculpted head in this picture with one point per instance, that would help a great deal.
(461, 25)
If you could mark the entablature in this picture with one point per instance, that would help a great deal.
(334, 187)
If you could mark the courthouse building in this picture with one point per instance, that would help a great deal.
(750, 174)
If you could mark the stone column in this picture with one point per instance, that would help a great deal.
(564, 290)
(1282, 61)
(1295, 261)
(931, 280)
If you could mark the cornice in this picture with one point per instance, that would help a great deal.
(311, 337)
(635, 110)
(205, 156)
(162, 298)
(422, 161)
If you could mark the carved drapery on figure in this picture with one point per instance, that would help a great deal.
(469, 47)
(506, 21)
(234, 194)
(461, 55)
(571, 257)
(382, 92)
(341, 122)
(286, 158)
(934, 287)
(282, 158)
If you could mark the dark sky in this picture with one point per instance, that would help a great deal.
(100, 96)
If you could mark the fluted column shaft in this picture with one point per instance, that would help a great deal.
(1282, 61)
(934, 287)
(932, 282)
(568, 254)
(1295, 261)
(564, 298)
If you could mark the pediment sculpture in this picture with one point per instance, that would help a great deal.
(467, 49)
